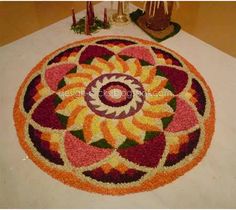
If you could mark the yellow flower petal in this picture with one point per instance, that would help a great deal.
(119, 64)
(135, 68)
(55, 137)
(44, 92)
(157, 84)
(127, 128)
(95, 128)
(161, 61)
(80, 77)
(76, 89)
(92, 70)
(148, 74)
(157, 111)
(163, 96)
(68, 105)
(147, 123)
(72, 59)
(113, 161)
(76, 119)
(107, 133)
(103, 64)
(115, 132)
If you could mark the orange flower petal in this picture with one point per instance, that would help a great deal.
(156, 114)
(107, 133)
(87, 127)
(162, 100)
(110, 65)
(122, 63)
(159, 87)
(93, 67)
(127, 133)
(145, 127)
(73, 115)
(139, 68)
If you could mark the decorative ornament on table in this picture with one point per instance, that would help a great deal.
(87, 28)
(121, 17)
(73, 17)
(88, 24)
(155, 19)
(105, 20)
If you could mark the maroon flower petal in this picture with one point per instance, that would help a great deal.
(199, 96)
(167, 55)
(43, 147)
(93, 51)
(184, 150)
(177, 78)
(116, 42)
(30, 93)
(114, 176)
(147, 154)
(45, 114)
(66, 53)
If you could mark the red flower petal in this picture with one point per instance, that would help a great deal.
(184, 117)
(139, 52)
(82, 154)
(55, 74)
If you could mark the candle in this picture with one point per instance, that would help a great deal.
(91, 12)
(88, 14)
(105, 22)
(87, 26)
(73, 17)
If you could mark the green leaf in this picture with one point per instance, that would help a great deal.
(79, 134)
(166, 121)
(106, 57)
(61, 84)
(136, 14)
(169, 87)
(102, 143)
(128, 143)
(74, 70)
(57, 100)
(160, 73)
(150, 135)
(124, 57)
(172, 103)
(144, 63)
(80, 26)
(89, 61)
(63, 119)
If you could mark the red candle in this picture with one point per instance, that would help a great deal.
(91, 12)
(87, 26)
(105, 22)
(73, 17)
(88, 13)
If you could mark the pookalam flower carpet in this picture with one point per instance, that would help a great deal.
(114, 115)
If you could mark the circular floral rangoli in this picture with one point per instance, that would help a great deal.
(114, 115)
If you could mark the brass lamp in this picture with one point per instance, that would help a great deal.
(120, 17)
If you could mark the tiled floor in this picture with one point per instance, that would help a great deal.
(212, 22)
